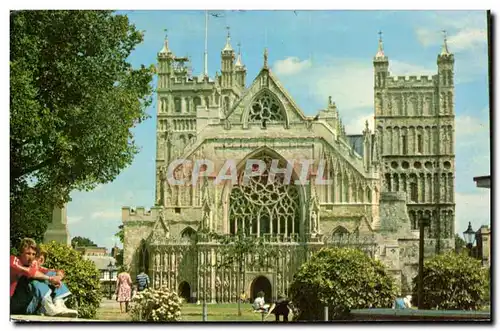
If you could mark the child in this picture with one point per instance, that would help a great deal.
(41, 255)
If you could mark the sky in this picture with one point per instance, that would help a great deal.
(314, 54)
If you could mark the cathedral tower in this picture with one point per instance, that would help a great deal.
(414, 119)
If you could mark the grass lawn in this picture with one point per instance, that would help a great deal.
(193, 312)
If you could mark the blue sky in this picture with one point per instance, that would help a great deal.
(314, 54)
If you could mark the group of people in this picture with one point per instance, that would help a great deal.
(124, 287)
(35, 289)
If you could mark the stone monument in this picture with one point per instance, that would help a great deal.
(58, 228)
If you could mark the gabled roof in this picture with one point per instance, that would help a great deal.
(256, 86)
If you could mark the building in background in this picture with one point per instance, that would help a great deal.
(106, 265)
(382, 182)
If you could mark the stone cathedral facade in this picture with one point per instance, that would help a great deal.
(381, 182)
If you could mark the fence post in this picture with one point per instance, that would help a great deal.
(326, 313)
(204, 311)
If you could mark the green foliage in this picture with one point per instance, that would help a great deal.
(342, 279)
(119, 258)
(121, 233)
(160, 305)
(81, 277)
(454, 282)
(74, 99)
(235, 248)
(459, 243)
(29, 216)
(81, 241)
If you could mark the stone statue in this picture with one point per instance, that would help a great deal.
(206, 219)
(314, 222)
(157, 280)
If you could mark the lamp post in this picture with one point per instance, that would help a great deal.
(110, 269)
(469, 235)
(423, 222)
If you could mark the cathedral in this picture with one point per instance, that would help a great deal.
(380, 182)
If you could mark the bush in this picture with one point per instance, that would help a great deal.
(81, 277)
(453, 281)
(156, 306)
(342, 279)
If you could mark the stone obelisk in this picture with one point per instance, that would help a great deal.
(58, 229)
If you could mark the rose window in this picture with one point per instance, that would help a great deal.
(261, 207)
(266, 109)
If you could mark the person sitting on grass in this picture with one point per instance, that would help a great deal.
(280, 308)
(31, 290)
(259, 303)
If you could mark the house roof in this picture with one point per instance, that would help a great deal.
(102, 262)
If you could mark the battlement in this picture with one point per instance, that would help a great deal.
(407, 80)
(192, 83)
(139, 214)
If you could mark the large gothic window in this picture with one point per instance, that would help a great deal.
(261, 207)
(266, 109)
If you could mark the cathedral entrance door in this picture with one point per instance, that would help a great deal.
(185, 291)
(261, 283)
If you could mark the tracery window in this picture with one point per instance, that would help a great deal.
(266, 109)
(261, 207)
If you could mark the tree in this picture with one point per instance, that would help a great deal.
(121, 233)
(81, 241)
(81, 277)
(342, 279)
(453, 281)
(460, 244)
(234, 249)
(74, 99)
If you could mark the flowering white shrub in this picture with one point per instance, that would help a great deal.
(156, 306)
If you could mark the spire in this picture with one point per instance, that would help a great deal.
(444, 49)
(165, 49)
(238, 60)
(205, 55)
(265, 57)
(228, 42)
(380, 51)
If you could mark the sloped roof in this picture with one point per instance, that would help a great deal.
(101, 262)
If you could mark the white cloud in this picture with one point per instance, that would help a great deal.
(468, 39)
(348, 81)
(74, 219)
(290, 66)
(107, 214)
(468, 126)
(357, 125)
(398, 68)
(472, 207)
(466, 30)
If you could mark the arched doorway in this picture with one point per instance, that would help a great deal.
(261, 283)
(185, 291)
(143, 257)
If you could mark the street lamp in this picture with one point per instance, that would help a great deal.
(469, 235)
(110, 269)
(423, 222)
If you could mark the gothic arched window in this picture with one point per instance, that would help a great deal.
(261, 207)
(265, 108)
